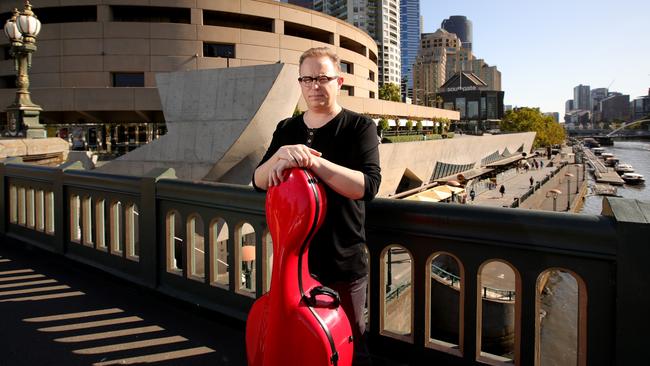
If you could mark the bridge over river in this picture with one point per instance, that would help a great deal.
(183, 240)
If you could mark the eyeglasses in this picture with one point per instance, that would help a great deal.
(320, 79)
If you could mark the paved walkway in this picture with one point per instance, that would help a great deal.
(57, 312)
(516, 185)
(519, 183)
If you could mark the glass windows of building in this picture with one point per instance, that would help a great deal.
(128, 79)
(218, 50)
(150, 14)
(472, 110)
(460, 106)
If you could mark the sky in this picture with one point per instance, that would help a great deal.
(545, 48)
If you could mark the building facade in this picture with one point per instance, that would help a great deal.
(440, 58)
(462, 27)
(615, 108)
(410, 31)
(480, 108)
(582, 97)
(640, 107)
(568, 106)
(96, 61)
(381, 20)
(430, 67)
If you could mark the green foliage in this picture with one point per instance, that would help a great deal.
(418, 126)
(409, 125)
(383, 124)
(526, 119)
(390, 91)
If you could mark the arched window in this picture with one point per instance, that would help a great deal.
(445, 299)
(75, 219)
(196, 247)
(87, 221)
(31, 215)
(100, 225)
(21, 206)
(174, 243)
(498, 304)
(116, 228)
(396, 300)
(219, 273)
(246, 258)
(49, 213)
(561, 306)
(132, 232)
(40, 210)
(13, 204)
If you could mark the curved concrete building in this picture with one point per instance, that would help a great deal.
(97, 59)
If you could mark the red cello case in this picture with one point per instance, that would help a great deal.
(299, 321)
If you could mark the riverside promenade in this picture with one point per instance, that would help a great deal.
(518, 185)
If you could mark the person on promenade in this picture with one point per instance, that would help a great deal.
(472, 194)
(502, 190)
(340, 147)
(532, 181)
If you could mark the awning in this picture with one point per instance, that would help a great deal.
(391, 122)
(376, 120)
(402, 122)
(427, 123)
(450, 189)
(506, 161)
(421, 198)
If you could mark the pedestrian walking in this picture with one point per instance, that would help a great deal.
(531, 181)
(472, 194)
(502, 190)
(541, 164)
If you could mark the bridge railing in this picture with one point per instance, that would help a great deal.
(209, 244)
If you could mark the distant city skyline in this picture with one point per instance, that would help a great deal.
(544, 50)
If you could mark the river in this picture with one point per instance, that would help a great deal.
(635, 153)
(559, 302)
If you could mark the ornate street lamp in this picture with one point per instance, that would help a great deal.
(22, 116)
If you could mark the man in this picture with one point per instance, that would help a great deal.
(340, 147)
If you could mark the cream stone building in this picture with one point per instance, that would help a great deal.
(97, 59)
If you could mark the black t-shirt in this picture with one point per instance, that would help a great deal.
(349, 140)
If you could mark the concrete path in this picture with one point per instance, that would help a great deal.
(516, 185)
(57, 312)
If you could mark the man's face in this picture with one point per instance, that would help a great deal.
(318, 95)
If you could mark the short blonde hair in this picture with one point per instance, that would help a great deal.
(321, 52)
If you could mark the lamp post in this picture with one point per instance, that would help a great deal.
(554, 193)
(22, 115)
(568, 190)
(578, 179)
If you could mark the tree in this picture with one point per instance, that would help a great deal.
(418, 126)
(526, 119)
(383, 124)
(390, 91)
(409, 125)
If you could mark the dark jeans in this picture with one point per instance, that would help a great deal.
(353, 300)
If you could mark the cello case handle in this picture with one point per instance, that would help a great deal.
(313, 302)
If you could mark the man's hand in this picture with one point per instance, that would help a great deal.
(301, 155)
(287, 157)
